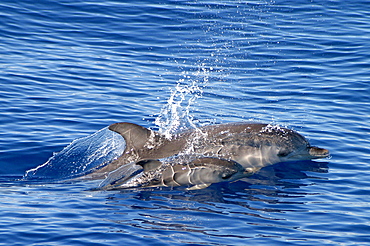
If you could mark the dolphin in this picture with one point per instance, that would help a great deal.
(252, 145)
(198, 173)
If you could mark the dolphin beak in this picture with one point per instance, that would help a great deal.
(317, 152)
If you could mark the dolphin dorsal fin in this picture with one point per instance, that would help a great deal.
(149, 164)
(135, 136)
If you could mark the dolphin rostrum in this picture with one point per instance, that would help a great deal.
(198, 173)
(251, 145)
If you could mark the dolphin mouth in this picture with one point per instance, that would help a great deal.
(309, 153)
(317, 152)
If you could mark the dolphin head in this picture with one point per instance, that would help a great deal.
(298, 148)
(292, 146)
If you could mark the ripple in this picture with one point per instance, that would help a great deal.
(71, 68)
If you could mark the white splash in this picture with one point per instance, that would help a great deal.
(80, 156)
(176, 114)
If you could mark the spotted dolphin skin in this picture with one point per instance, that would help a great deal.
(196, 174)
(223, 153)
(253, 146)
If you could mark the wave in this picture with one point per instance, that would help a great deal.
(80, 157)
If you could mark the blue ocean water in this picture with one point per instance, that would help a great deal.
(71, 68)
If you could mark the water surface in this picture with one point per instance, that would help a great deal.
(71, 68)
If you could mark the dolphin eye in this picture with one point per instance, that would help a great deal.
(283, 153)
(226, 175)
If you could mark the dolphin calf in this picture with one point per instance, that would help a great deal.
(250, 145)
(198, 173)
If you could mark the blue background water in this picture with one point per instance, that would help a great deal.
(71, 68)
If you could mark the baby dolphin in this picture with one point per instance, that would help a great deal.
(253, 146)
(198, 173)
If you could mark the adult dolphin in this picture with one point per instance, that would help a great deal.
(253, 146)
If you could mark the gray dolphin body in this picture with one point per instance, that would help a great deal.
(252, 146)
(179, 171)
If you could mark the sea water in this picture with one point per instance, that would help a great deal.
(71, 68)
